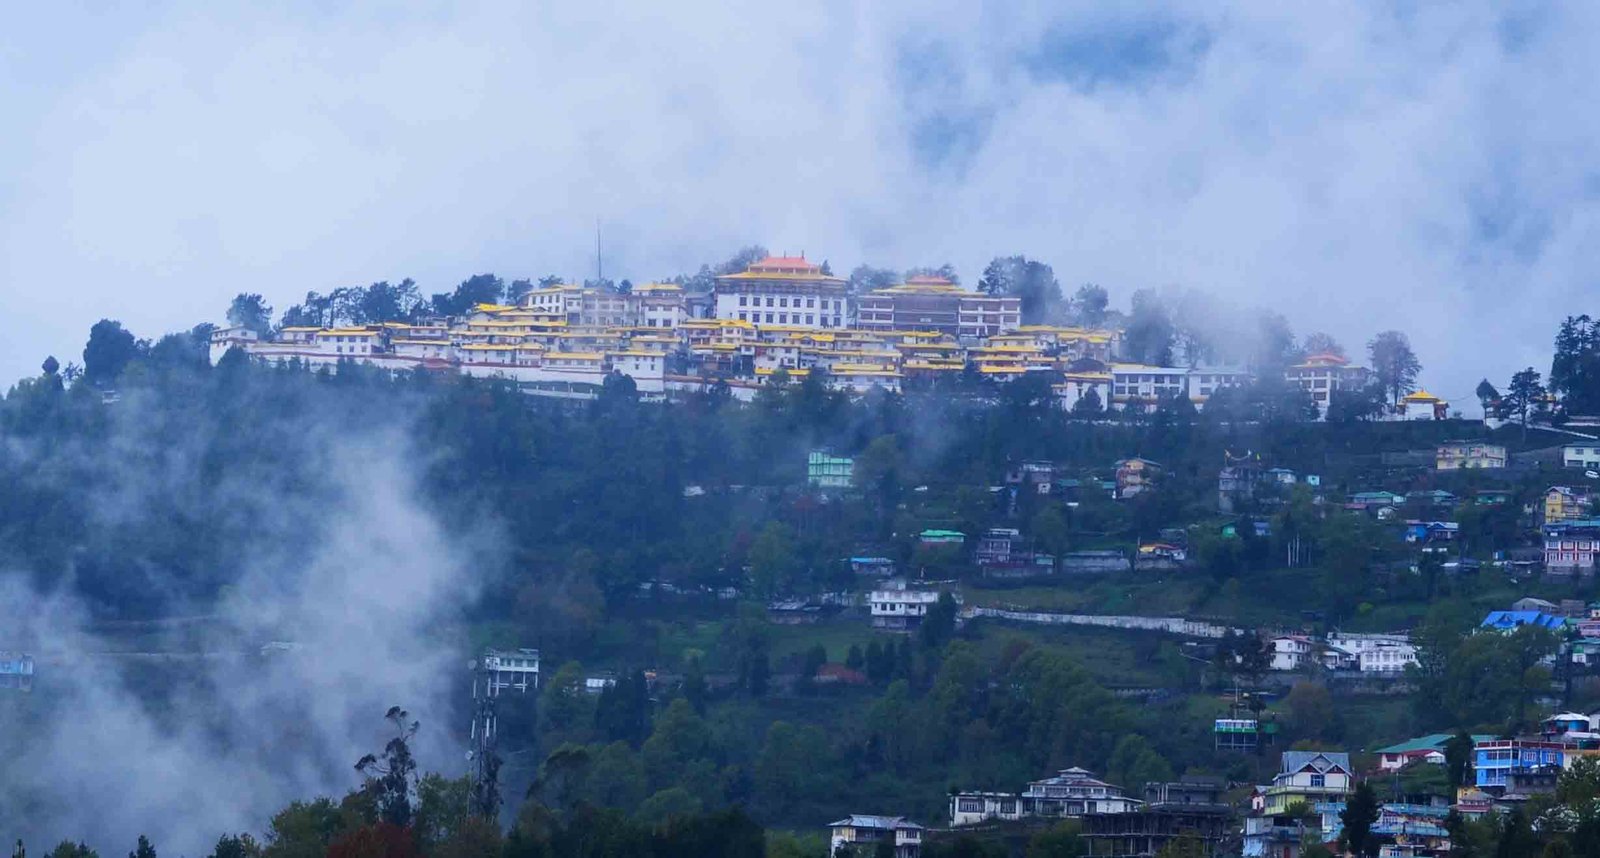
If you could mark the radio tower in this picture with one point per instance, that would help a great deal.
(495, 672)
(484, 758)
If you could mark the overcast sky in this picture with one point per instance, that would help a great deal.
(1429, 167)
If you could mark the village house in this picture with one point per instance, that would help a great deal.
(1568, 724)
(1374, 502)
(1429, 532)
(1570, 546)
(1463, 455)
(827, 471)
(1135, 476)
(934, 536)
(1565, 503)
(1159, 555)
(1506, 621)
(1036, 475)
(1318, 780)
(997, 545)
(1069, 793)
(1191, 808)
(1242, 734)
(1423, 749)
(1438, 499)
(862, 834)
(1376, 653)
(1294, 652)
(1312, 777)
(1533, 603)
(897, 606)
(881, 567)
(510, 670)
(1498, 764)
(1581, 455)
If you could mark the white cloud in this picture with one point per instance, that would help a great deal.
(1356, 169)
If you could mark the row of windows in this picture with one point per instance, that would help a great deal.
(783, 301)
(898, 607)
(785, 319)
(1134, 390)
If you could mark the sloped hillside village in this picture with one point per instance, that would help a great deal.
(1480, 511)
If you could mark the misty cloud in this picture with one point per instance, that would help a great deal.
(350, 567)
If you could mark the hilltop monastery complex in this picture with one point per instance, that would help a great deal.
(781, 318)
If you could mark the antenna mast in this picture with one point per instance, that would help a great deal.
(485, 760)
(494, 672)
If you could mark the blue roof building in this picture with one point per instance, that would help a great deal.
(1505, 621)
(1495, 763)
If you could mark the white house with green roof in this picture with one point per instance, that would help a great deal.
(1424, 749)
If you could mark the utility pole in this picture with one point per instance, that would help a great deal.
(494, 672)
(484, 758)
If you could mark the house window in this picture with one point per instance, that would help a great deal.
(1319, 780)
(969, 805)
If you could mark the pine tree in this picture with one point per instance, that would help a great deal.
(1359, 815)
